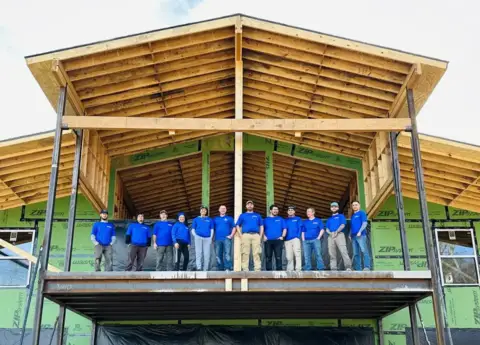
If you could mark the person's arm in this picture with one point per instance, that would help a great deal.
(194, 226)
(128, 235)
(239, 224)
(188, 237)
(154, 236)
(93, 236)
(114, 236)
(212, 231)
(284, 227)
(364, 224)
(174, 235)
(302, 230)
(322, 230)
(342, 225)
(261, 227)
(327, 228)
(233, 227)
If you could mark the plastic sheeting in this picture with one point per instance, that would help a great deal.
(11, 336)
(238, 335)
(460, 336)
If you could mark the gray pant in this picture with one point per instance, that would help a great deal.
(137, 254)
(340, 242)
(202, 251)
(293, 248)
(164, 258)
(107, 252)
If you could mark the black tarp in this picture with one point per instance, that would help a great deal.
(238, 335)
(460, 336)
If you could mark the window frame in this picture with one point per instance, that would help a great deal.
(27, 282)
(472, 256)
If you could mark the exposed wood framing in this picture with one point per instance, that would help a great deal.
(238, 150)
(95, 169)
(232, 125)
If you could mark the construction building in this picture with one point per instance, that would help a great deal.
(220, 112)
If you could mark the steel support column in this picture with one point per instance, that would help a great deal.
(70, 226)
(93, 339)
(438, 298)
(380, 332)
(52, 193)
(397, 186)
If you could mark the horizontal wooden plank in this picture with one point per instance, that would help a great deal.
(236, 125)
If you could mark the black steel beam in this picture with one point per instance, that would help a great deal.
(438, 298)
(52, 193)
(71, 226)
(380, 332)
(93, 340)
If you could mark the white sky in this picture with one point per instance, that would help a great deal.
(443, 29)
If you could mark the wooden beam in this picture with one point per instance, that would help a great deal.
(236, 125)
(64, 81)
(24, 254)
(238, 150)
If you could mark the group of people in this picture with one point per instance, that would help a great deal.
(276, 233)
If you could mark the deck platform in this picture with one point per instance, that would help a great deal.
(129, 296)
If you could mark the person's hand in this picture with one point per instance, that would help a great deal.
(359, 234)
(177, 246)
(229, 237)
(265, 238)
(96, 243)
(155, 246)
(188, 246)
(280, 238)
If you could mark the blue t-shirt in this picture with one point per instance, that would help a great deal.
(294, 227)
(163, 233)
(273, 227)
(250, 222)
(140, 234)
(312, 228)
(356, 223)
(203, 226)
(334, 222)
(103, 232)
(223, 227)
(180, 232)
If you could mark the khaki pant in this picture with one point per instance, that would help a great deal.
(340, 242)
(293, 250)
(251, 241)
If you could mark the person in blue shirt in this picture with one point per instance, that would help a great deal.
(275, 231)
(250, 227)
(138, 237)
(312, 232)
(181, 241)
(336, 238)
(224, 231)
(293, 245)
(103, 238)
(358, 234)
(202, 230)
(162, 242)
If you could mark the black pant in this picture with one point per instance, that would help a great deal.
(138, 253)
(273, 247)
(183, 249)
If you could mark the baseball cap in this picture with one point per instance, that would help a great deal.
(249, 202)
(291, 207)
(104, 212)
(334, 204)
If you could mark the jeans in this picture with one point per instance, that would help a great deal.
(308, 246)
(164, 258)
(136, 253)
(202, 251)
(182, 250)
(107, 252)
(273, 247)
(293, 250)
(223, 249)
(359, 244)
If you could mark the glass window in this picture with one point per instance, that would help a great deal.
(457, 255)
(14, 267)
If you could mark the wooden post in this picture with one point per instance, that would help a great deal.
(269, 179)
(238, 174)
(206, 178)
